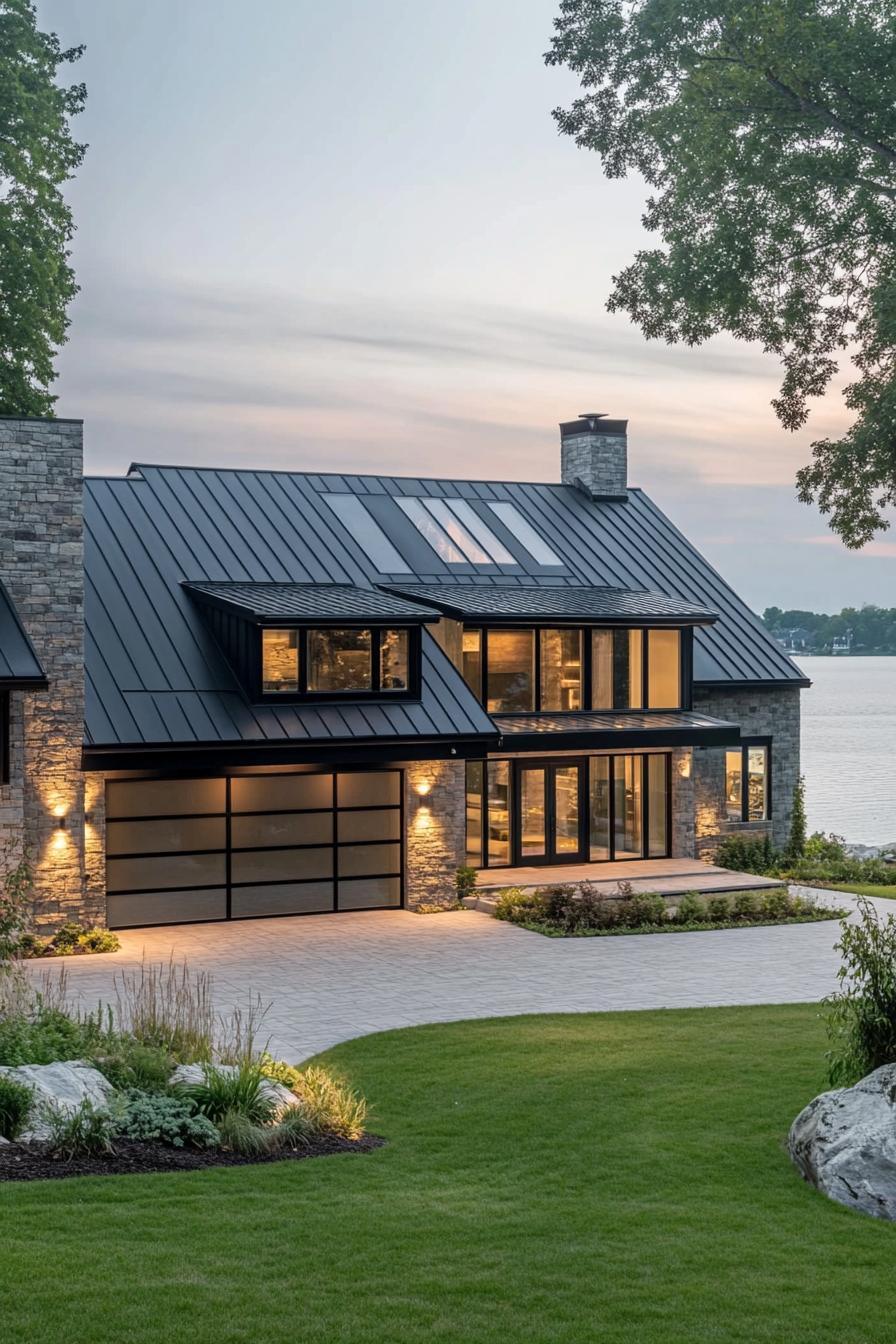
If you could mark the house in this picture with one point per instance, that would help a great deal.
(236, 693)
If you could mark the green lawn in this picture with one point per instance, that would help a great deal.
(617, 1177)
(863, 889)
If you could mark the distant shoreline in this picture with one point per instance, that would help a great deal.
(865, 653)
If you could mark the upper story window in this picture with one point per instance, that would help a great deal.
(347, 661)
(569, 669)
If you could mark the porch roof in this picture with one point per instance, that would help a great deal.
(19, 664)
(684, 728)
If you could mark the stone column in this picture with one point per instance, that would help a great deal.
(42, 566)
(435, 812)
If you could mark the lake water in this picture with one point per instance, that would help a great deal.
(849, 747)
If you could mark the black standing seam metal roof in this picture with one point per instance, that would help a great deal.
(564, 604)
(155, 674)
(685, 727)
(307, 601)
(19, 664)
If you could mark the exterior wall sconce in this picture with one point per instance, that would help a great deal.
(423, 787)
(684, 767)
(60, 822)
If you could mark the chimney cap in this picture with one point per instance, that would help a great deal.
(593, 422)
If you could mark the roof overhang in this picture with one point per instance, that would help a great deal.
(218, 756)
(562, 732)
(527, 604)
(308, 603)
(20, 667)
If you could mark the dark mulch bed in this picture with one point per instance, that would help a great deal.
(19, 1162)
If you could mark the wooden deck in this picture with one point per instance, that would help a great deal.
(667, 877)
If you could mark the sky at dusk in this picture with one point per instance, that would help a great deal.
(349, 237)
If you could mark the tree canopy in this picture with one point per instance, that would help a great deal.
(766, 132)
(37, 155)
(871, 629)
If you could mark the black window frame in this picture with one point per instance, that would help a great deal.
(686, 661)
(745, 819)
(375, 692)
(518, 763)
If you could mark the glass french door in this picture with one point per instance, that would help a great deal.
(551, 812)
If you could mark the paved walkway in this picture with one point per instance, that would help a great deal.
(332, 977)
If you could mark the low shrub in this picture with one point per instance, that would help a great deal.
(744, 905)
(746, 855)
(776, 903)
(85, 1132)
(516, 905)
(465, 883)
(279, 1071)
(66, 939)
(718, 908)
(330, 1105)
(99, 940)
(130, 1064)
(48, 1036)
(165, 1119)
(691, 909)
(15, 1104)
(861, 1015)
(239, 1093)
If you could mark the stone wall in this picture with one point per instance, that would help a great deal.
(435, 830)
(42, 566)
(772, 713)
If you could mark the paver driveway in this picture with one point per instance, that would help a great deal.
(331, 977)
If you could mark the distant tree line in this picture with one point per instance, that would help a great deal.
(856, 630)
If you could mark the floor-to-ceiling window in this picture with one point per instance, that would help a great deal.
(599, 807)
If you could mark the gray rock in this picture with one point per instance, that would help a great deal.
(844, 1143)
(187, 1075)
(63, 1085)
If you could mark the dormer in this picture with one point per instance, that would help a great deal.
(316, 642)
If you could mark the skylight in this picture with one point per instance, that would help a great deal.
(455, 531)
(524, 533)
(368, 534)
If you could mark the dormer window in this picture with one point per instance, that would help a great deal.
(343, 661)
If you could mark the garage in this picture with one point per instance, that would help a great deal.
(181, 850)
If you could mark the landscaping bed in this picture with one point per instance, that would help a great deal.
(581, 911)
(157, 1081)
(34, 1162)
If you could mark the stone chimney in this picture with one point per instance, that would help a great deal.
(42, 567)
(594, 455)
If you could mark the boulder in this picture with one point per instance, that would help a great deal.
(844, 1143)
(64, 1085)
(187, 1075)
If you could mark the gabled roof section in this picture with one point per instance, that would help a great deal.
(309, 601)
(19, 664)
(155, 673)
(561, 604)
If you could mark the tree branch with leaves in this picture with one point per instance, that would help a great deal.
(766, 133)
(37, 156)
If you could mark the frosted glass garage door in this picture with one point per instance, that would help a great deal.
(185, 850)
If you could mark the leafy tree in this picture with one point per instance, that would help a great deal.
(767, 135)
(37, 155)
(873, 629)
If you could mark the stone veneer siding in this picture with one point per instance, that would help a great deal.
(772, 713)
(598, 461)
(435, 830)
(42, 565)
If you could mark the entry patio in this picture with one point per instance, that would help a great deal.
(667, 877)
